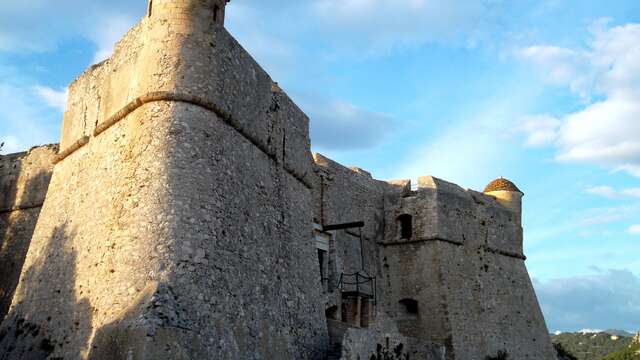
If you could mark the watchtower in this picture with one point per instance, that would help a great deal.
(507, 194)
(185, 11)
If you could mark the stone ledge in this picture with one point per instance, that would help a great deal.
(19, 207)
(457, 243)
(71, 149)
(185, 98)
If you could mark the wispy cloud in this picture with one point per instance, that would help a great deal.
(54, 98)
(607, 215)
(107, 32)
(474, 149)
(453, 153)
(605, 132)
(540, 130)
(634, 229)
(31, 120)
(43, 25)
(611, 193)
(374, 26)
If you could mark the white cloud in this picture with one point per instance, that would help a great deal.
(31, 120)
(608, 215)
(107, 32)
(631, 169)
(634, 192)
(558, 65)
(54, 98)
(540, 129)
(40, 25)
(634, 229)
(604, 300)
(605, 132)
(380, 25)
(611, 193)
(453, 153)
(272, 46)
(475, 149)
(10, 144)
(604, 191)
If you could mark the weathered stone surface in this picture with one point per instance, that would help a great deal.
(464, 268)
(360, 344)
(24, 179)
(186, 218)
(195, 198)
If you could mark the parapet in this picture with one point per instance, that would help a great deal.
(444, 211)
(181, 54)
(188, 13)
(24, 178)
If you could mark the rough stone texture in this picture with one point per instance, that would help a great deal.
(462, 264)
(346, 195)
(180, 220)
(361, 344)
(465, 269)
(24, 179)
(152, 230)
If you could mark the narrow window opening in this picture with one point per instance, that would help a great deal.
(405, 223)
(323, 262)
(150, 9)
(216, 13)
(408, 308)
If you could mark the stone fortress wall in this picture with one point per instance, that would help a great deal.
(178, 215)
(24, 179)
(187, 218)
(464, 268)
(457, 279)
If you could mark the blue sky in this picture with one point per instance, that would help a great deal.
(545, 92)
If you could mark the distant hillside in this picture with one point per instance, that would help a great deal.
(592, 346)
(631, 352)
(619, 332)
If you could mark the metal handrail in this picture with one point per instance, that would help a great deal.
(366, 279)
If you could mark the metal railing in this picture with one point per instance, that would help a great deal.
(358, 283)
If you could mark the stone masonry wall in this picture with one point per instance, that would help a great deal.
(24, 179)
(178, 223)
(465, 269)
(179, 217)
(349, 195)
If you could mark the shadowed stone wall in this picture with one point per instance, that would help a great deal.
(24, 179)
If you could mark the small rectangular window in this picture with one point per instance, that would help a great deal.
(405, 223)
(216, 13)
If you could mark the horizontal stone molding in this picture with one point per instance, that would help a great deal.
(422, 240)
(456, 243)
(19, 207)
(171, 96)
(505, 253)
(71, 149)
